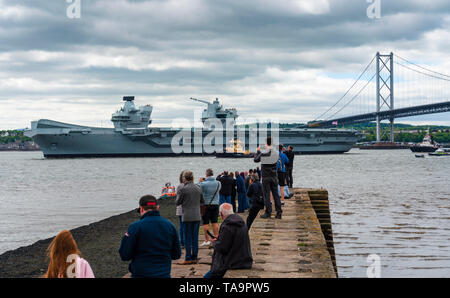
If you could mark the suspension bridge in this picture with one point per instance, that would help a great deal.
(419, 90)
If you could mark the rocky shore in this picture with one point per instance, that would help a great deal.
(98, 242)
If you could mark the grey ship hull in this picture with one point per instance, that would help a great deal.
(57, 139)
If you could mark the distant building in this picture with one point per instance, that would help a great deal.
(407, 131)
(20, 146)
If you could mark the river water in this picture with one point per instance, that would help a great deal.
(384, 202)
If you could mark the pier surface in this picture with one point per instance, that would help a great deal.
(298, 246)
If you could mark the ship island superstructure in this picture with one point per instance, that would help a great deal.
(133, 135)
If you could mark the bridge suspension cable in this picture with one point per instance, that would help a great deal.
(424, 68)
(356, 95)
(345, 94)
(421, 72)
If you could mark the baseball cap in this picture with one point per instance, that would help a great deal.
(147, 200)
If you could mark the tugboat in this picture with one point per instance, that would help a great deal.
(427, 145)
(236, 150)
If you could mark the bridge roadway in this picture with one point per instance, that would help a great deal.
(396, 113)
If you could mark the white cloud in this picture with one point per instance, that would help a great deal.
(292, 7)
(18, 13)
(127, 58)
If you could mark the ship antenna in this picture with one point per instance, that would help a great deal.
(200, 100)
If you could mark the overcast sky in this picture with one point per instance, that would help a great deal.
(286, 59)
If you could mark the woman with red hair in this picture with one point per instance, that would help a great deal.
(65, 258)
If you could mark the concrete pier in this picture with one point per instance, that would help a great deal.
(298, 246)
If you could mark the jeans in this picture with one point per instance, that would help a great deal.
(191, 239)
(247, 202)
(181, 231)
(224, 199)
(270, 185)
(242, 200)
(286, 191)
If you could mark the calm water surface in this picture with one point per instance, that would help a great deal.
(383, 202)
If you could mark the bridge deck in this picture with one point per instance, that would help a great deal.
(396, 113)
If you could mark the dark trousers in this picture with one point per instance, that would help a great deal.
(252, 214)
(290, 180)
(233, 201)
(242, 198)
(270, 185)
(210, 275)
(191, 239)
(181, 231)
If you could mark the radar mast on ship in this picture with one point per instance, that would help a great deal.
(215, 110)
(131, 117)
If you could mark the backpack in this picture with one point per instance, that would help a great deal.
(279, 164)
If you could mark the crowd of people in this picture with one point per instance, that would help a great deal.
(151, 243)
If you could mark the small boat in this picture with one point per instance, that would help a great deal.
(420, 155)
(168, 191)
(441, 152)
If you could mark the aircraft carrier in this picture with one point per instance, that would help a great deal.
(133, 135)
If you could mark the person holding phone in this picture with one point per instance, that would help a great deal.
(269, 159)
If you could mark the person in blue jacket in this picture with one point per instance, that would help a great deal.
(150, 243)
(242, 193)
(283, 160)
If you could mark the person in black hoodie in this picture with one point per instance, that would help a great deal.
(255, 193)
(232, 247)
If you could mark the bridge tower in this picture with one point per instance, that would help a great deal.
(385, 90)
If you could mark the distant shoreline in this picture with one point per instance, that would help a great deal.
(98, 242)
(20, 150)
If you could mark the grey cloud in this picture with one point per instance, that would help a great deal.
(236, 40)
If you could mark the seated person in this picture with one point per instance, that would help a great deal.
(232, 247)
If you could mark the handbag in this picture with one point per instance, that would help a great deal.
(260, 195)
(204, 208)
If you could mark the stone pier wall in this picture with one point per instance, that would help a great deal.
(293, 247)
(319, 201)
